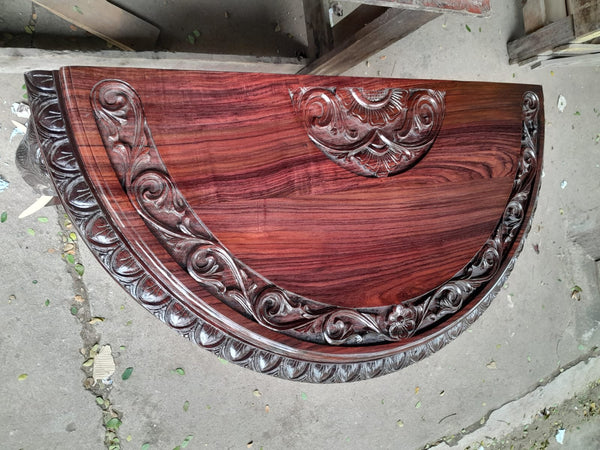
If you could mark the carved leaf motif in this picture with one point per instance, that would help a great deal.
(373, 133)
(395, 125)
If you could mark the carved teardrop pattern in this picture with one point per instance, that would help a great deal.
(373, 133)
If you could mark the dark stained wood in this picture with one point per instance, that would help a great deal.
(355, 21)
(215, 200)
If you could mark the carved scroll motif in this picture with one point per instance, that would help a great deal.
(144, 177)
(105, 243)
(373, 133)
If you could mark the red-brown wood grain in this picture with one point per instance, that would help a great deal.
(239, 153)
(242, 159)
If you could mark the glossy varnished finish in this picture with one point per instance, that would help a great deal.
(233, 211)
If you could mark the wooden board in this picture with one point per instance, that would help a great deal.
(542, 40)
(392, 25)
(478, 7)
(586, 18)
(324, 229)
(107, 21)
(534, 15)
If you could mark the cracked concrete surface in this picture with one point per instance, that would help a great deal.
(532, 329)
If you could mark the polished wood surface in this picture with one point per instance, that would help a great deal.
(238, 197)
(244, 163)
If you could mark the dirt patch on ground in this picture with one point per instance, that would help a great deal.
(575, 423)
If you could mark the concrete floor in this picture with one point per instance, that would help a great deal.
(542, 342)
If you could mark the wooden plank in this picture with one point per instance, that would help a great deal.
(534, 15)
(544, 39)
(586, 19)
(318, 31)
(555, 10)
(477, 7)
(392, 25)
(355, 21)
(19, 60)
(592, 59)
(576, 49)
(107, 21)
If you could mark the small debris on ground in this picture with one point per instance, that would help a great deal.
(36, 206)
(19, 129)
(127, 373)
(336, 8)
(562, 103)
(20, 110)
(576, 293)
(560, 436)
(104, 364)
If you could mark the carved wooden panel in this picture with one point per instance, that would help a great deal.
(323, 229)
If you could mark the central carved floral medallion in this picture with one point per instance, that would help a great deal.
(371, 132)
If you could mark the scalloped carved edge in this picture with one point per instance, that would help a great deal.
(105, 244)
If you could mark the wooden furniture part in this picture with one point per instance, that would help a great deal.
(370, 28)
(322, 229)
(565, 34)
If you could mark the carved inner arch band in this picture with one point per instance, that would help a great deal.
(128, 141)
(408, 332)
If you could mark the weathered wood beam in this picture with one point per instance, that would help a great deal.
(386, 29)
(107, 21)
(542, 40)
(479, 7)
(19, 60)
(318, 31)
(355, 21)
(586, 19)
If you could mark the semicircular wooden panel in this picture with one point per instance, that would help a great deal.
(322, 229)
